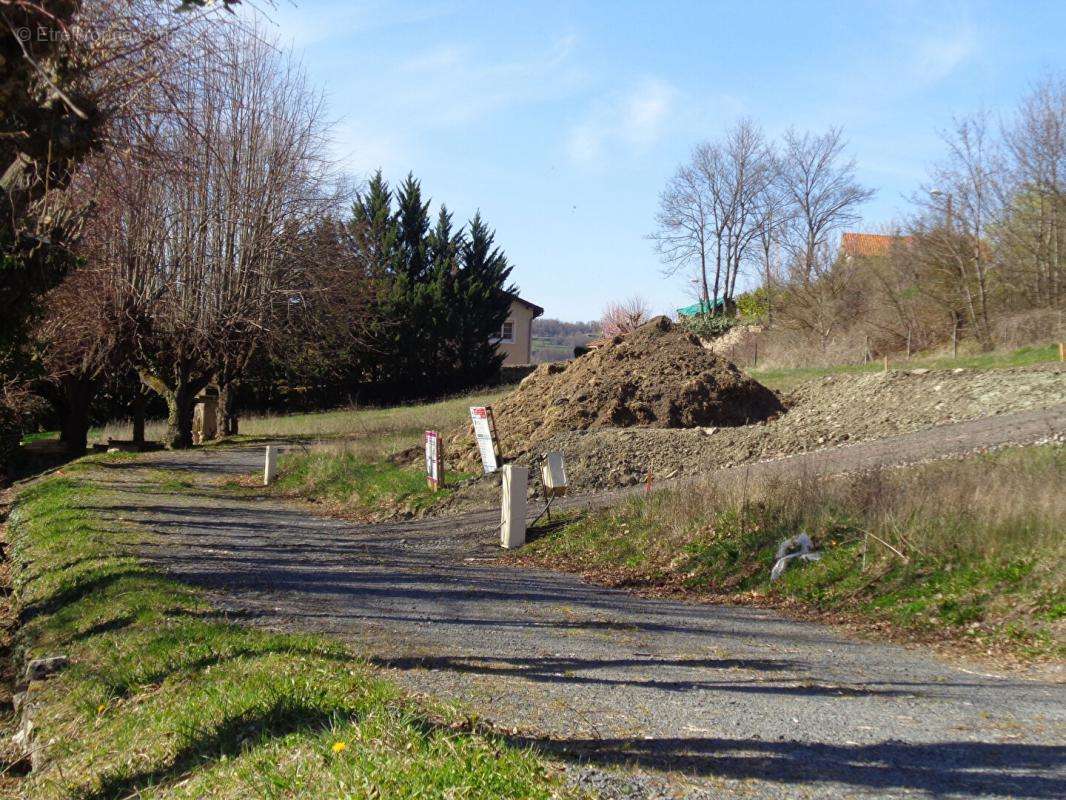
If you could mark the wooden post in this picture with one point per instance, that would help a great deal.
(755, 356)
(270, 468)
(886, 363)
(1062, 351)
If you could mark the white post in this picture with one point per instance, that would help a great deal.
(513, 513)
(271, 467)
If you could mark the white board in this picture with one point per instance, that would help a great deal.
(433, 460)
(481, 416)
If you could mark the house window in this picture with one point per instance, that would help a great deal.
(507, 333)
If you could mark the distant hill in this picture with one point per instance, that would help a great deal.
(555, 340)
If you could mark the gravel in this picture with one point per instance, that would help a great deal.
(833, 412)
(640, 698)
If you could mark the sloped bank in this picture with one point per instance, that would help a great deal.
(963, 553)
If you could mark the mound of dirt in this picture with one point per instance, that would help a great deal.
(658, 376)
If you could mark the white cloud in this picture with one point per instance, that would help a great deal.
(452, 85)
(935, 57)
(632, 120)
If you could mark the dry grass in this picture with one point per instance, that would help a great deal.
(378, 431)
(1000, 506)
(969, 550)
(398, 426)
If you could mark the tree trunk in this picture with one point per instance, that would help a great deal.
(74, 427)
(227, 409)
(137, 412)
(180, 403)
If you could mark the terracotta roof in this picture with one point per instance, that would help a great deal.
(864, 245)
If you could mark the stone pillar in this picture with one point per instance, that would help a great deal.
(513, 512)
(205, 418)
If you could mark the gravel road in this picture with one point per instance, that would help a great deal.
(684, 700)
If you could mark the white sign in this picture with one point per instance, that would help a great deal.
(485, 433)
(553, 474)
(433, 459)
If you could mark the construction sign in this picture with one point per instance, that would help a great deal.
(485, 434)
(434, 460)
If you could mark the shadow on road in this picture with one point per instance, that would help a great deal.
(956, 768)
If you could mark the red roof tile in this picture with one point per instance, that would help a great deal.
(868, 244)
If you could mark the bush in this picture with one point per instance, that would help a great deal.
(708, 326)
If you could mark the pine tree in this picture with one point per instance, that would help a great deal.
(442, 296)
(484, 302)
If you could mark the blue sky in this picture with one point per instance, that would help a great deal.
(562, 121)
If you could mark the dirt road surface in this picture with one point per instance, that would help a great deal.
(685, 700)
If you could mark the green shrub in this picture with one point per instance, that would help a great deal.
(708, 326)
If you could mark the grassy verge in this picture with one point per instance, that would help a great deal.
(349, 482)
(981, 543)
(359, 477)
(783, 379)
(162, 699)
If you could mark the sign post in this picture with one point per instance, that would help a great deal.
(434, 460)
(485, 434)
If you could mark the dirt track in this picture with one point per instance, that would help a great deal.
(735, 702)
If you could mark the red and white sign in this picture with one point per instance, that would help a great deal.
(485, 433)
(434, 460)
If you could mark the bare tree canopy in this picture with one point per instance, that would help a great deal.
(203, 226)
(624, 316)
(824, 196)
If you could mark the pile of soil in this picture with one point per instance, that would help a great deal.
(823, 413)
(657, 376)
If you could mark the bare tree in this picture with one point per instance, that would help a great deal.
(81, 340)
(625, 316)
(751, 173)
(1034, 229)
(687, 225)
(965, 193)
(823, 196)
(206, 219)
(709, 214)
(774, 216)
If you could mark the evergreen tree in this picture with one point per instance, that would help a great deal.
(484, 302)
(443, 295)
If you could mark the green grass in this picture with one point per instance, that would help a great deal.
(163, 699)
(981, 539)
(360, 475)
(783, 379)
(344, 479)
(40, 436)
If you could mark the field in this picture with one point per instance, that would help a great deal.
(785, 379)
(377, 429)
(968, 551)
